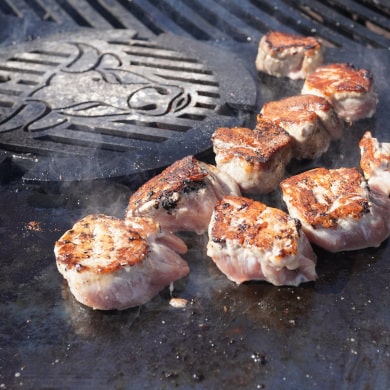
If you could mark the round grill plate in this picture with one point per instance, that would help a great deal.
(111, 103)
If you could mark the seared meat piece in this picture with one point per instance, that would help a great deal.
(375, 163)
(282, 54)
(349, 90)
(183, 196)
(336, 210)
(112, 264)
(250, 241)
(309, 119)
(255, 158)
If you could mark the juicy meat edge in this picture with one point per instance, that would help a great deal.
(127, 279)
(241, 259)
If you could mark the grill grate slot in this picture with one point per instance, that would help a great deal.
(41, 11)
(70, 121)
(336, 22)
(8, 8)
(106, 13)
(220, 16)
(351, 22)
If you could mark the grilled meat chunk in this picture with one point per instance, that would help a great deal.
(115, 264)
(255, 158)
(310, 120)
(375, 163)
(183, 196)
(250, 241)
(287, 55)
(336, 209)
(349, 90)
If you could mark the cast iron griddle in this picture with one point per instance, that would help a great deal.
(334, 333)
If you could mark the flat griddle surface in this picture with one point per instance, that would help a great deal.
(334, 333)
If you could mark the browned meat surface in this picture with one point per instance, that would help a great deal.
(255, 158)
(375, 163)
(250, 241)
(183, 196)
(310, 120)
(112, 264)
(287, 55)
(335, 209)
(349, 90)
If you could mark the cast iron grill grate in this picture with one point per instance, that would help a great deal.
(97, 96)
(337, 22)
(32, 94)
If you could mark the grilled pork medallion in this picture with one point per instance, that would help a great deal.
(255, 158)
(349, 90)
(375, 163)
(115, 264)
(310, 120)
(250, 241)
(336, 209)
(287, 55)
(183, 196)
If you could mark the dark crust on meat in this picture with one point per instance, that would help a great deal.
(253, 230)
(316, 212)
(278, 41)
(296, 103)
(78, 244)
(342, 77)
(258, 147)
(183, 176)
(294, 110)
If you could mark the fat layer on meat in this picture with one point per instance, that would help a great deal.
(183, 196)
(255, 158)
(110, 263)
(349, 90)
(288, 55)
(375, 163)
(336, 209)
(250, 241)
(310, 120)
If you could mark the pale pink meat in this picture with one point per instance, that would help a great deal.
(336, 209)
(282, 54)
(310, 120)
(250, 241)
(349, 90)
(110, 263)
(255, 158)
(375, 163)
(183, 196)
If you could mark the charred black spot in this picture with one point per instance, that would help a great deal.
(168, 200)
(192, 186)
(219, 240)
(366, 206)
(298, 225)
(242, 227)
(242, 206)
(150, 194)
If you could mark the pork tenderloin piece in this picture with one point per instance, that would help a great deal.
(255, 158)
(183, 196)
(250, 241)
(336, 209)
(349, 90)
(310, 120)
(282, 54)
(110, 263)
(375, 163)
